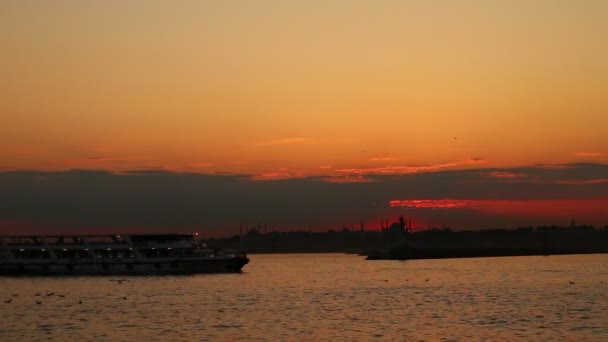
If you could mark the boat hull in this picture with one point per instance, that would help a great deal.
(126, 267)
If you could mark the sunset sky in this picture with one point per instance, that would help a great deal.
(350, 96)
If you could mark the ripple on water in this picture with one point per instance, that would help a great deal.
(227, 325)
(276, 299)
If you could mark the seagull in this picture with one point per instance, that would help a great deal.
(124, 298)
(571, 282)
(80, 302)
(427, 279)
(119, 281)
(61, 295)
(15, 294)
(50, 293)
(37, 294)
(8, 301)
(38, 302)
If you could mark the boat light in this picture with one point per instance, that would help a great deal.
(168, 247)
(21, 250)
(109, 249)
(117, 236)
(43, 250)
(65, 250)
(130, 249)
(153, 248)
(86, 249)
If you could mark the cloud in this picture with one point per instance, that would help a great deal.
(348, 179)
(382, 159)
(405, 169)
(588, 154)
(102, 159)
(110, 162)
(305, 140)
(544, 208)
(286, 141)
(583, 181)
(162, 200)
(283, 173)
(429, 204)
(506, 175)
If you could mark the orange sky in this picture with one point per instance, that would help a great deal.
(304, 87)
(346, 90)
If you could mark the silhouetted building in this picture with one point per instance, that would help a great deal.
(399, 227)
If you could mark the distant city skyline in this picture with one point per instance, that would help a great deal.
(491, 113)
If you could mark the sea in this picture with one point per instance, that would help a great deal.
(322, 297)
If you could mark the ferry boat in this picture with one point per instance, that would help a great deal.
(114, 255)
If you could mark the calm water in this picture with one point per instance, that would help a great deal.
(324, 297)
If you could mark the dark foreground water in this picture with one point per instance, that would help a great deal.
(324, 297)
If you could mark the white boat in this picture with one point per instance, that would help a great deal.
(113, 255)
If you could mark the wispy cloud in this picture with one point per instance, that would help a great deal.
(348, 179)
(200, 165)
(583, 181)
(429, 204)
(506, 175)
(286, 141)
(405, 169)
(588, 154)
(102, 159)
(382, 159)
(547, 208)
(283, 173)
(306, 140)
(555, 166)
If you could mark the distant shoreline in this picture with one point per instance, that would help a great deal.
(460, 253)
(428, 244)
